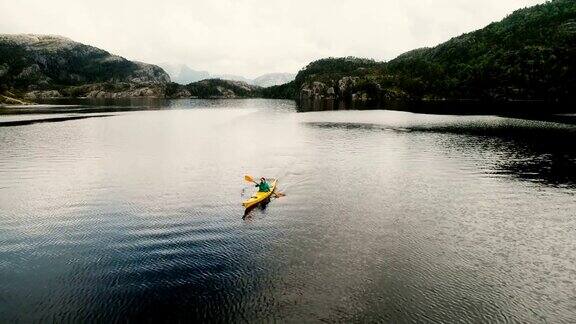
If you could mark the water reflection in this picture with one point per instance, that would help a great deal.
(541, 159)
(260, 207)
(23, 122)
(106, 105)
(527, 150)
(538, 110)
(389, 217)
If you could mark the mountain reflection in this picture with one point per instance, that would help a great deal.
(525, 149)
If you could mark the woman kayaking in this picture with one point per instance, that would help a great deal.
(263, 186)
(265, 190)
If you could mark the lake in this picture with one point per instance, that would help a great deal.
(117, 212)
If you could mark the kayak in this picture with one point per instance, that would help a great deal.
(258, 197)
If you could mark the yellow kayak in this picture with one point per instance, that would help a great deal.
(260, 196)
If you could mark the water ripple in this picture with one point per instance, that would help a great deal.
(388, 217)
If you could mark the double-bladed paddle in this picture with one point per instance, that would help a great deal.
(250, 179)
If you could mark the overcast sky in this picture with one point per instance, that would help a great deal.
(252, 37)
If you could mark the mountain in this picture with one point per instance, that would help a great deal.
(45, 65)
(232, 77)
(273, 79)
(266, 80)
(530, 55)
(181, 73)
(212, 89)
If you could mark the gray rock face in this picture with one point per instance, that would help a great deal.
(45, 62)
(42, 94)
(132, 93)
(182, 93)
(341, 89)
(120, 90)
(346, 84)
(349, 88)
(314, 90)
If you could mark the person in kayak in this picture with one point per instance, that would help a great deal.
(263, 186)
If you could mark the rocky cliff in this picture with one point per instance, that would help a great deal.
(51, 66)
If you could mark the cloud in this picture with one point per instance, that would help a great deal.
(252, 37)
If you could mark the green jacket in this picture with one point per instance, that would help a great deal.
(263, 186)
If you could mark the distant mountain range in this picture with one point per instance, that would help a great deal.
(183, 74)
(273, 79)
(529, 55)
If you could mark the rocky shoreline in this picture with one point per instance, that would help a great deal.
(6, 99)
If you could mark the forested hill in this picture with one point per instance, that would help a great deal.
(36, 67)
(212, 89)
(46, 65)
(530, 55)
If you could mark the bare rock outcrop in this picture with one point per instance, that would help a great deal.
(47, 66)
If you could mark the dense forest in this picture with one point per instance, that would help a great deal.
(530, 55)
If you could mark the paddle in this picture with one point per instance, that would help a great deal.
(250, 179)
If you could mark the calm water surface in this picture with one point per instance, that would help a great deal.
(388, 216)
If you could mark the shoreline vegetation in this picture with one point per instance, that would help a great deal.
(9, 98)
(528, 57)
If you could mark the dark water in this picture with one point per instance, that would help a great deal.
(388, 216)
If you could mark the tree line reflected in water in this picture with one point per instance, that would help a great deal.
(536, 143)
